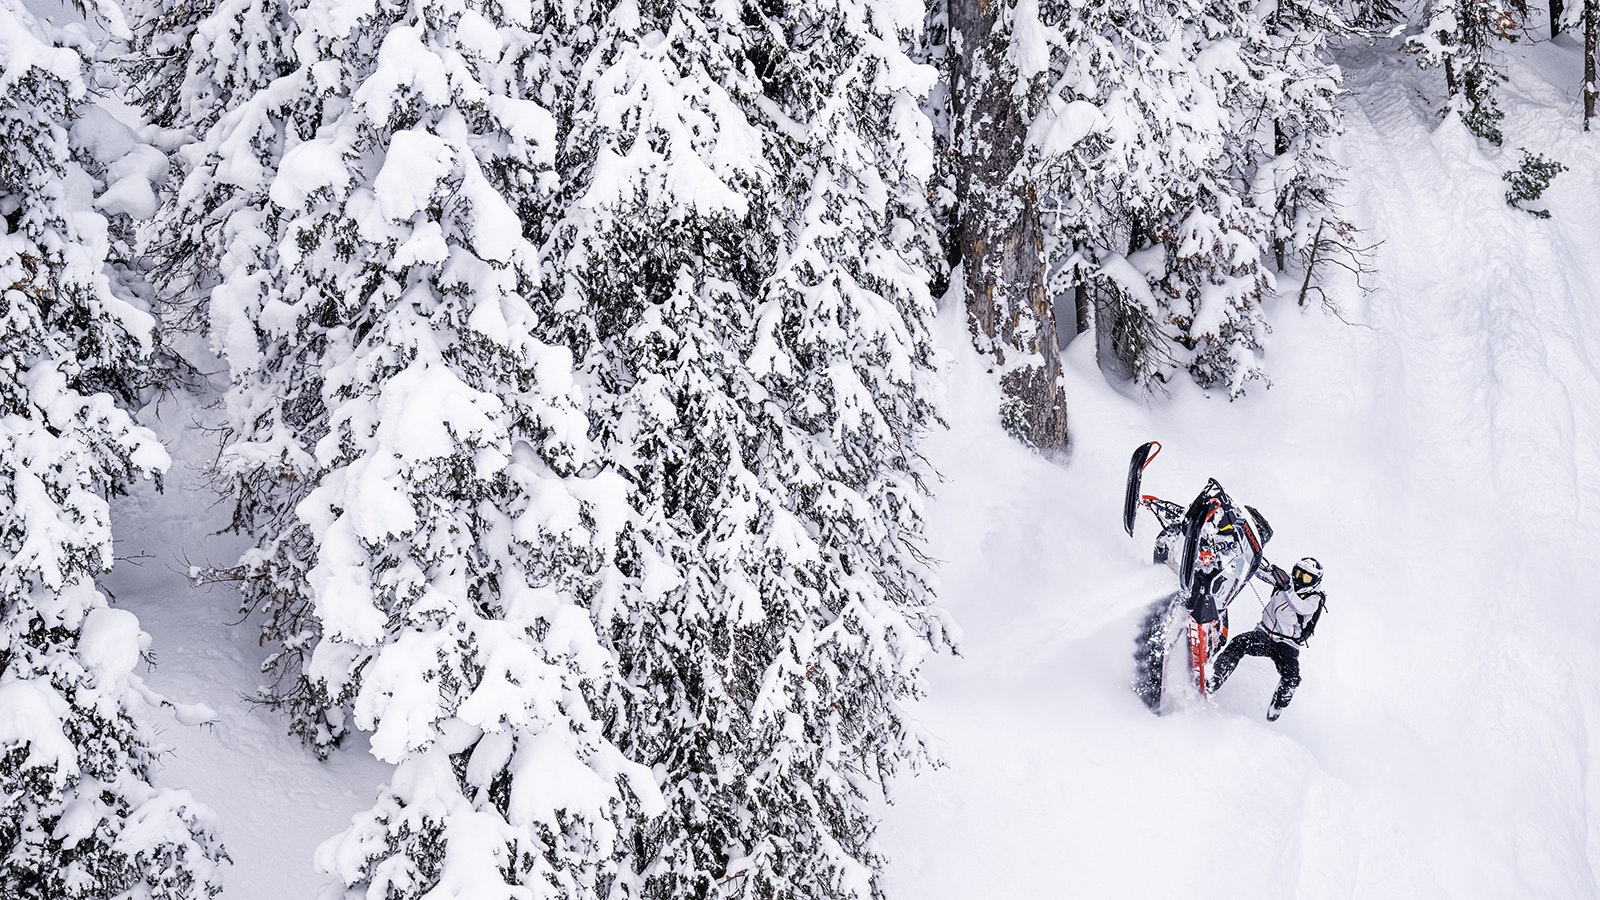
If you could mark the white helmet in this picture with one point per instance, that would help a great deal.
(1307, 574)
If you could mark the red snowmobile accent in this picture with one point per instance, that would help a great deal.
(1197, 654)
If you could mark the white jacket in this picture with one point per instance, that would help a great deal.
(1287, 613)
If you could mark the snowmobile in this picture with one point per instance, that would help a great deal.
(1214, 546)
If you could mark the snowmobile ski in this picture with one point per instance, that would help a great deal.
(1142, 457)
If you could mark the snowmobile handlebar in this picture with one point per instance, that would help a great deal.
(1273, 575)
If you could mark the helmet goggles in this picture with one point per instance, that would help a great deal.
(1304, 578)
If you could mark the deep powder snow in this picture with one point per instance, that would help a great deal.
(1437, 454)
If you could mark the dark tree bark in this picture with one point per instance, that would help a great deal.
(1083, 307)
(1556, 9)
(1280, 146)
(1000, 237)
(1589, 89)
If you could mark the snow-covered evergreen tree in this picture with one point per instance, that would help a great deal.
(662, 254)
(1113, 114)
(842, 347)
(81, 819)
(1267, 190)
(407, 447)
(1459, 35)
(1374, 16)
(192, 62)
(1183, 150)
(1135, 153)
(751, 255)
(1288, 111)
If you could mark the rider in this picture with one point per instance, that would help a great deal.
(1286, 624)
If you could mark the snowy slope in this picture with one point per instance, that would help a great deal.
(1438, 455)
(275, 801)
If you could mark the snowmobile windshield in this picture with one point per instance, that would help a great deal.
(1222, 547)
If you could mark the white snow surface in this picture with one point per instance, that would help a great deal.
(274, 800)
(1438, 455)
(1435, 448)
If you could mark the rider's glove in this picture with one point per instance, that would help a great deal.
(1281, 580)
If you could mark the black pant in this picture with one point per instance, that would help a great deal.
(1283, 654)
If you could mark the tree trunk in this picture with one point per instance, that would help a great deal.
(1000, 237)
(1280, 146)
(1083, 306)
(1589, 25)
(1556, 9)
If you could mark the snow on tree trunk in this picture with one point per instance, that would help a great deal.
(81, 819)
(1000, 237)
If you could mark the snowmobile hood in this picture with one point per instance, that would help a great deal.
(1230, 537)
(1262, 528)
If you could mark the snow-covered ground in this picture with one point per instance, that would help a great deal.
(276, 802)
(1437, 453)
